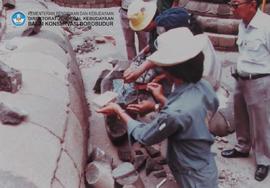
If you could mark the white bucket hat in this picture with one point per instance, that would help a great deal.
(177, 46)
(141, 13)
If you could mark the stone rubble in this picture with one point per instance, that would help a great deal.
(10, 78)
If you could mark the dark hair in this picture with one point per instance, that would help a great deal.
(190, 71)
(178, 17)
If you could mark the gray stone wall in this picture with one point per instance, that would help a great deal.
(48, 148)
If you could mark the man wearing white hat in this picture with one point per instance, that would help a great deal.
(140, 14)
(169, 19)
(129, 34)
(182, 117)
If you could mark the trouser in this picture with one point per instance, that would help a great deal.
(252, 117)
(129, 36)
(204, 178)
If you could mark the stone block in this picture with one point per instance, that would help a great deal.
(11, 116)
(49, 63)
(66, 172)
(227, 42)
(123, 170)
(10, 78)
(8, 179)
(52, 87)
(139, 161)
(48, 114)
(74, 142)
(152, 151)
(29, 152)
(57, 184)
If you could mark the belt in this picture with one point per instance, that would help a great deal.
(252, 77)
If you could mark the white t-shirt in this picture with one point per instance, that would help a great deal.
(212, 65)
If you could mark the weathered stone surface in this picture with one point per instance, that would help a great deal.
(47, 61)
(208, 8)
(32, 44)
(11, 46)
(11, 116)
(50, 84)
(219, 25)
(39, 109)
(2, 23)
(66, 172)
(73, 141)
(33, 30)
(49, 64)
(223, 42)
(9, 180)
(29, 151)
(57, 184)
(10, 78)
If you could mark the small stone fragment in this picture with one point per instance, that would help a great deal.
(123, 170)
(160, 160)
(124, 154)
(160, 174)
(10, 115)
(152, 151)
(139, 161)
(10, 78)
(151, 166)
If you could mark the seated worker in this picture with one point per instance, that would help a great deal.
(169, 19)
(182, 118)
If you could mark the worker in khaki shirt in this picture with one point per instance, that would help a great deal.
(129, 34)
(182, 116)
(252, 95)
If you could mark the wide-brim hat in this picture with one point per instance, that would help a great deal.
(177, 46)
(140, 13)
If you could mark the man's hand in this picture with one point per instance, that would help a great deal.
(158, 78)
(144, 107)
(157, 92)
(132, 75)
(110, 109)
